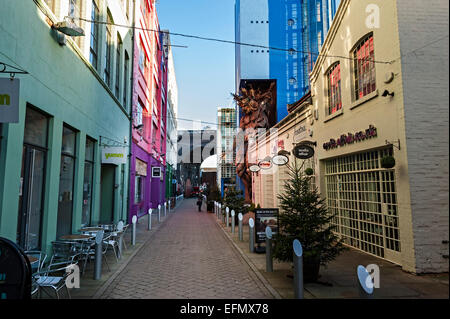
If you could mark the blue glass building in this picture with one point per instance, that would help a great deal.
(297, 27)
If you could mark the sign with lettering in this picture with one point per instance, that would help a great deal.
(9, 100)
(114, 155)
(265, 217)
(299, 133)
(156, 172)
(303, 151)
(351, 138)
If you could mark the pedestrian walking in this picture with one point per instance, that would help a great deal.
(199, 202)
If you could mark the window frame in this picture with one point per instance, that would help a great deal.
(334, 103)
(364, 69)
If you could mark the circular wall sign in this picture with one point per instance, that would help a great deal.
(303, 151)
(254, 168)
(280, 160)
(265, 164)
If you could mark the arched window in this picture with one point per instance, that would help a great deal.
(334, 89)
(364, 67)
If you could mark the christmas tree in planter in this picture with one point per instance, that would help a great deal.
(234, 199)
(304, 217)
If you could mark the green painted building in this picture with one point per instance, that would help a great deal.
(74, 103)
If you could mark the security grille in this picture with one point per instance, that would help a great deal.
(363, 197)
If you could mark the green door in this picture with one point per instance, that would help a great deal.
(107, 194)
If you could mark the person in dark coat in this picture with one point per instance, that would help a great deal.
(199, 202)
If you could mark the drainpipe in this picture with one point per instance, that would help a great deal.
(133, 23)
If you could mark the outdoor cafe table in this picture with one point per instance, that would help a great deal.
(76, 237)
(91, 229)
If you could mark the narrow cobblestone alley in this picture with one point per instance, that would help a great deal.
(188, 257)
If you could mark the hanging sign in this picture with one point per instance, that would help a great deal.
(114, 155)
(9, 100)
(156, 172)
(303, 151)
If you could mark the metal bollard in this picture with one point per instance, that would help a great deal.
(149, 219)
(169, 206)
(98, 255)
(232, 221)
(219, 211)
(251, 225)
(159, 213)
(227, 216)
(133, 231)
(165, 208)
(269, 260)
(365, 284)
(298, 269)
(241, 233)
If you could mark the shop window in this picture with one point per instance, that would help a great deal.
(334, 89)
(139, 189)
(88, 183)
(364, 67)
(66, 179)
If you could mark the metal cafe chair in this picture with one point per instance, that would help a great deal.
(88, 251)
(65, 250)
(54, 277)
(41, 257)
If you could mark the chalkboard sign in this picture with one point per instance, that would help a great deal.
(265, 217)
(15, 271)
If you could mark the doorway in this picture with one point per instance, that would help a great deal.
(108, 177)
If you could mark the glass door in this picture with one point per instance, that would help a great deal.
(32, 181)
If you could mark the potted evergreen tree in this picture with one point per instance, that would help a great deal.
(305, 217)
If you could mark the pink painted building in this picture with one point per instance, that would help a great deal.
(147, 182)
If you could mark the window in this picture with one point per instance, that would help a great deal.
(364, 67)
(50, 4)
(125, 79)
(66, 179)
(318, 11)
(139, 189)
(118, 64)
(93, 55)
(74, 12)
(88, 183)
(139, 114)
(334, 89)
(108, 51)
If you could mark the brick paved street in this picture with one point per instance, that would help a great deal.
(188, 257)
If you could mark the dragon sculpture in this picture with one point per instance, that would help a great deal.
(256, 113)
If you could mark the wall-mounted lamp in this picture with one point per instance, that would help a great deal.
(386, 93)
(68, 28)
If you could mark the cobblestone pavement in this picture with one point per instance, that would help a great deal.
(190, 258)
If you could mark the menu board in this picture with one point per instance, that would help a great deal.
(265, 217)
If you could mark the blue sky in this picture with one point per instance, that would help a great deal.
(204, 70)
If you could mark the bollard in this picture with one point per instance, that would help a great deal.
(219, 211)
(227, 216)
(241, 233)
(269, 261)
(251, 225)
(159, 213)
(149, 219)
(133, 231)
(120, 229)
(165, 208)
(298, 269)
(98, 255)
(365, 284)
(232, 221)
(169, 206)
